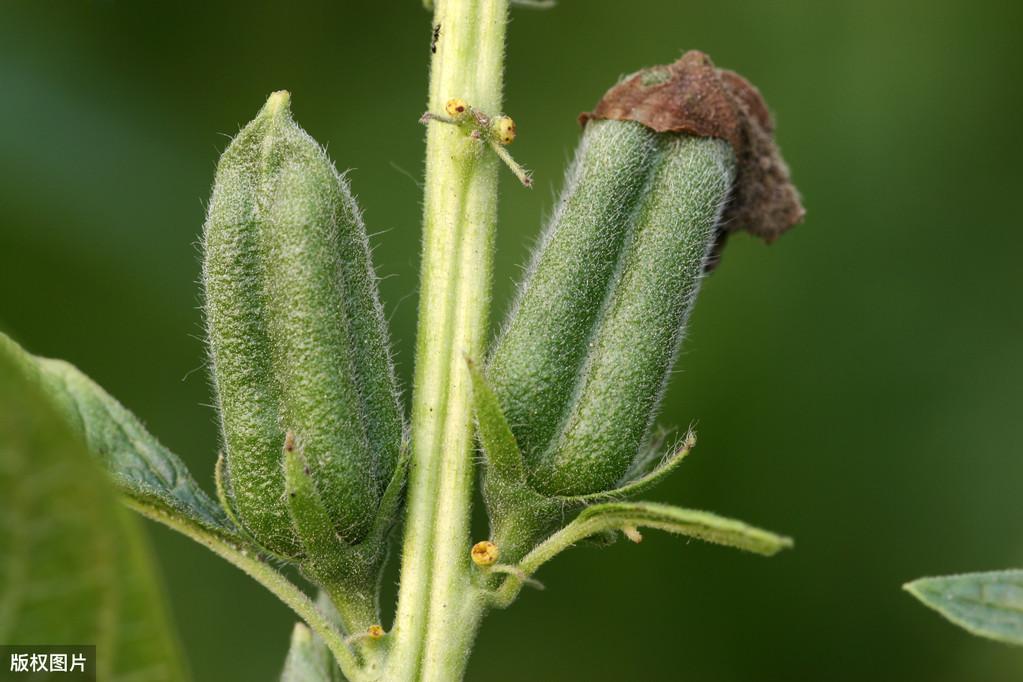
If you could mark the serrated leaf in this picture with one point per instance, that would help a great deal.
(692, 523)
(76, 568)
(986, 604)
(142, 468)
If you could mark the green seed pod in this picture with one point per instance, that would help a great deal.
(581, 364)
(535, 364)
(297, 337)
(635, 342)
(583, 361)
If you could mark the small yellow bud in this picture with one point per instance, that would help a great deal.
(504, 129)
(484, 553)
(375, 631)
(457, 108)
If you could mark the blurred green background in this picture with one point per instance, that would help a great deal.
(857, 385)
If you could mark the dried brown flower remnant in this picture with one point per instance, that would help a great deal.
(693, 96)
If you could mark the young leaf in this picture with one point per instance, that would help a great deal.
(155, 482)
(144, 470)
(503, 454)
(309, 516)
(601, 519)
(75, 569)
(696, 524)
(309, 659)
(985, 604)
(642, 482)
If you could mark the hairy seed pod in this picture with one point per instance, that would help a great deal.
(582, 362)
(297, 337)
(534, 366)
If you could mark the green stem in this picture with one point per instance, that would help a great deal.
(541, 554)
(437, 610)
(247, 560)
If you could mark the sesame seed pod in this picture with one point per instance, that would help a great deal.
(566, 405)
(239, 343)
(641, 325)
(540, 352)
(371, 345)
(296, 334)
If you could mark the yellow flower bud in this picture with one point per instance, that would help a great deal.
(504, 129)
(484, 553)
(457, 108)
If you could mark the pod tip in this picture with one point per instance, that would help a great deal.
(694, 97)
(278, 101)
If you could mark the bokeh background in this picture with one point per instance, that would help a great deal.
(857, 385)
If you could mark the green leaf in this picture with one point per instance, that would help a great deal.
(696, 524)
(502, 452)
(309, 517)
(309, 659)
(224, 495)
(76, 568)
(643, 479)
(144, 470)
(394, 495)
(600, 519)
(986, 604)
(155, 482)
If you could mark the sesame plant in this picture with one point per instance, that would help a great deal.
(321, 469)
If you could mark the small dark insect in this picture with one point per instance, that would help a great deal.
(436, 36)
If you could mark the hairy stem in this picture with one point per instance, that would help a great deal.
(248, 561)
(437, 605)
